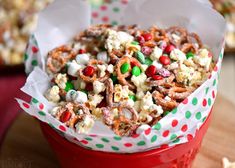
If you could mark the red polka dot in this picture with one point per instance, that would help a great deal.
(105, 19)
(210, 76)
(215, 68)
(125, 2)
(128, 145)
(62, 128)
(93, 135)
(213, 94)
(41, 106)
(148, 131)
(95, 14)
(184, 128)
(165, 133)
(84, 142)
(164, 146)
(189, 137)
(204, 102)
(75, 139)
(26, 105)
(103, 8)
(34, 49)
(135, 135)
(185, 101)
(174, 123)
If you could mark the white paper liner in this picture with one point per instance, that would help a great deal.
(57, 26)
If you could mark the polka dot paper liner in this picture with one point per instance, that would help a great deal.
(179, 126)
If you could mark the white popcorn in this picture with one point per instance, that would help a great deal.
(178, 55)
(79, 84)
(98, 87)
(55, 110)
(82, 59)
(121, 93)
(203, 58)
(102, 69)
(156, 54)
(94, 100)
(103, 56)
(173, 66)
(52, 94)
(80, 97)
(117, 40)
(97, 112)
(167, 98)
(228, 164)
(140, 81)
(61, 80)
(110, 68)
(73, 68)
(157, 64)
(85, 125)
(130, 102)
(70, 95)
(137, 105)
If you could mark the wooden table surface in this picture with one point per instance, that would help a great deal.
(25, 146)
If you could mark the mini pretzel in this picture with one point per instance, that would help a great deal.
(109, 92)
(193, 38)
(115, 54)
(95, 77)
(181, 32)
(187, 47)
(155, 83)
(166, 105)
(122, 77)
(158, 34)
(58, 57)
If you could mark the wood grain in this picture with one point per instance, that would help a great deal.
(25, 146)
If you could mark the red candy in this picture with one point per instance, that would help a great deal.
(147, 36)
(157, 77)
(81, 51)
(146, 50)
(89, 71)
(165, 60)
(151, 70)
(141, 40)
(65, 116)
(169, 48)
(89, 87)
(102, 104)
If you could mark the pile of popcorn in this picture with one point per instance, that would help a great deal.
(127, 77)
(17, 21)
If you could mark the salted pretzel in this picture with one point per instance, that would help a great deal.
(156, 83)
(58, 57)
(158, 34)
(122, 77)
(181, 32)
(193, 38)
(187, 47)
(96, 76)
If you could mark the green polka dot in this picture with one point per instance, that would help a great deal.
(88, 138)
(198, 115)
(41, 113)
(209, 101)
(157, 126)
(114, 23)
(154, 138)
(203, 120)
(141, 143)
(188, 114)
(207, 89)
(105, 140)
(116, 9)
(173, 137)
(214, 82)
(115, 148)
(221, 55)
(26, 56)
(174, 111)
(117, 138)
(34, 63)
(99, 145)
(34, 100)
(194, 101)
(176, 141)
(166, 113)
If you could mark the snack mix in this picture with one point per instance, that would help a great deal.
(124, 76)
(17, 21)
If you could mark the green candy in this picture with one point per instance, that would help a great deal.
(125, 67)
(68, 86)
(114, 78)
(148, 61)
(132, 97)
(140, 56)
(136, 71)
(189, 55)
(134, 43)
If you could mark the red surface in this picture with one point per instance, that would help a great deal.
(71, 155)
(9, 89)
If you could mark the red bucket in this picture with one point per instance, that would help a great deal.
(73, 156)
